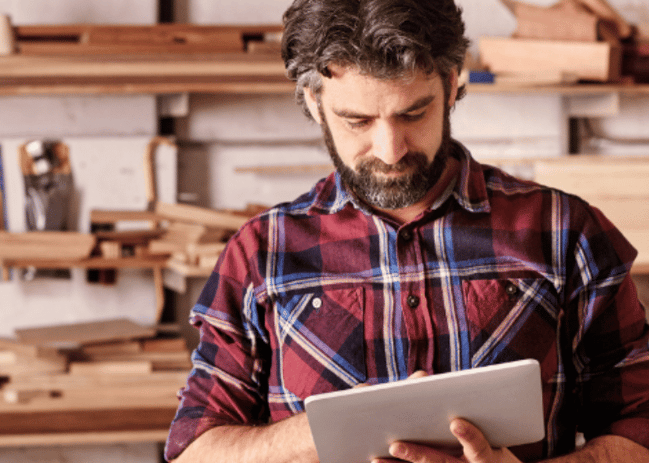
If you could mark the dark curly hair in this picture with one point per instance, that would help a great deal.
(386, 39)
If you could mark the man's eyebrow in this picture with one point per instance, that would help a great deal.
(419, 104)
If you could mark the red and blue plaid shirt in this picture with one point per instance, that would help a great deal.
(320, 294)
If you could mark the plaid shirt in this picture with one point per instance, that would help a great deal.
(320, 294)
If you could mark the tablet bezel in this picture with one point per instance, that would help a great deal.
(357, 425)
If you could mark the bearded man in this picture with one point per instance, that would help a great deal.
(411, 258)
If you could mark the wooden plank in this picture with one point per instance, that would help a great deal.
(64, 381)
(147, 66)
(323, 169)
(112, 348)
(45, 244)
(110, 249)
(26, 366)
(54, 422)
(26, 350)
(158, 283)
(605, 11)
(92, 262)
(597, 61)
(129, 85)
(597, 176)
(200, 215)
(120, 39)
(85, 333)
(140, 363)
(128, 237)
(186, 270)
(561, 21)
(165, 247)
(84, 438)
(108, 367)
(164, 345)
(111, 217)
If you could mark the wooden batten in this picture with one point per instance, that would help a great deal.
(85, 333)
(163, 345)
(99, 216)
(565, 20)
(89, 39)
(115, 367)
(593, 61)
(45, 245)
(200, 215)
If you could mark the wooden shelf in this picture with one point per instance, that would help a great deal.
(165, 73)
(91, 262)
(156, 73)
(83, 438)
(565, 89)
(97, 426)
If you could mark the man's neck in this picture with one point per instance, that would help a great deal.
(410, 213)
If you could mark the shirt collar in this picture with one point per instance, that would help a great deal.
(469, 189)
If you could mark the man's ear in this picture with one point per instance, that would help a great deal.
(454, 78)
(312, 103)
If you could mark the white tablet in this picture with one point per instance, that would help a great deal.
(357, 425)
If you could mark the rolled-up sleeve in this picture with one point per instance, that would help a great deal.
(611, 343)
(227, 384)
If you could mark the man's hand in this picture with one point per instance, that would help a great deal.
(475, 449)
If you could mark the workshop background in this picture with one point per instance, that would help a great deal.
(150, 177)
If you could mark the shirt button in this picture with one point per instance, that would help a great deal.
(511, 290)
(412, 301)
(406, 235)
(316, 303)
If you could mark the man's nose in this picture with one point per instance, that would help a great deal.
(389, 143)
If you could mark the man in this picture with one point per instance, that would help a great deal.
(411, 259)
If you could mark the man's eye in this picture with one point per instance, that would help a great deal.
(357, 123)
(414, 117)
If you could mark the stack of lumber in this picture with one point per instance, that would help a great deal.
(114, 375)
(94, 39)
(189, 238)
(162, 58)
(569, 41)
(195, 236)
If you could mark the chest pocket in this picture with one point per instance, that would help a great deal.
(321, 342)
(510, 319)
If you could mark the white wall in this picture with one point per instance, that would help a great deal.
(27, 12)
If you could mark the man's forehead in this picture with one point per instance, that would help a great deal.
(348, 86)
(339, 71)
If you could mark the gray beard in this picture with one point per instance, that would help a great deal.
(392, 193)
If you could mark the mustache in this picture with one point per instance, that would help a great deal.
(409, 160)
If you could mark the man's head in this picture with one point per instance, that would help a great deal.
(385, 39)
(380, 77)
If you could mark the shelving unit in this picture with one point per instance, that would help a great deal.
(170, 73)
(198, 73)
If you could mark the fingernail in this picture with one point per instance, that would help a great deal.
(397, 450)
(459, 428)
